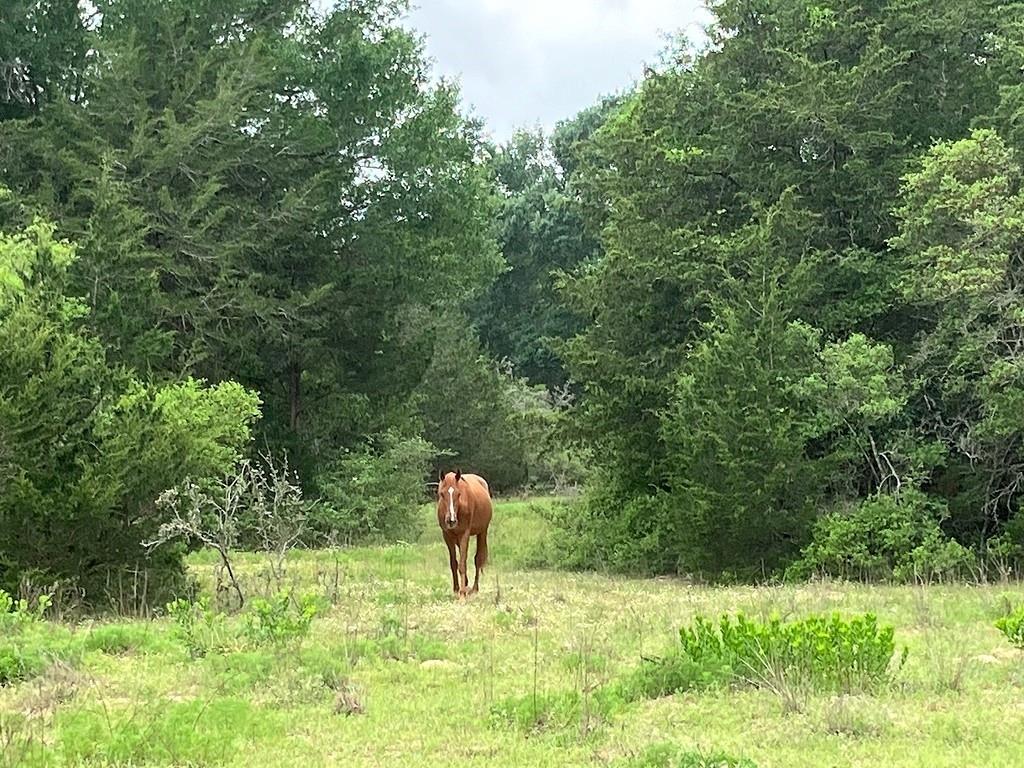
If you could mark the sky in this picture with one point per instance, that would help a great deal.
(524, 63)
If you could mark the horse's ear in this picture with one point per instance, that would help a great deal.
(458, 475)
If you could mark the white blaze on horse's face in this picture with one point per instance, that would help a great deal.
(452, 520)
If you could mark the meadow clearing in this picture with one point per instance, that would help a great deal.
(393, 671)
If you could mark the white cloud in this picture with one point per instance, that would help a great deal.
(524, 62)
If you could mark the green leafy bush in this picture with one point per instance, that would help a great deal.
(884, 537)
(375, 491)
(279, 620)
(827, 652)
(15, 614)
(200, 628)
(1012, 625)
(670, 674)
(85, 447)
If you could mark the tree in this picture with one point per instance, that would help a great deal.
(268, 194)
(797, 111)
(86, 446)
(522, 318)
(961, 248)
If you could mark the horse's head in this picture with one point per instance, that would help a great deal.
(448, 499)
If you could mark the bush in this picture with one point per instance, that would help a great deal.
(278, 621)
(85, 447)
(826, 652)
(199, 628)
(374, 492)
(884, 537)
(671, 674)
(1012, 625)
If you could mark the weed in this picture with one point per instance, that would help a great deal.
(826, 652)
(279, 621)
(1012, 625)
(667, 755)
(199, 627)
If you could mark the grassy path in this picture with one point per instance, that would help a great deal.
(425, 672)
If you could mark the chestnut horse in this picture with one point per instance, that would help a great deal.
(464, 510)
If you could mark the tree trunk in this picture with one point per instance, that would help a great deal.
(294, 395)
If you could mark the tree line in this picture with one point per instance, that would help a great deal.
(766, 304)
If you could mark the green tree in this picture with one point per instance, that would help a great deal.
(961, 249)
(86, 447)
(522, 318)
(268, 194)
(797, 110)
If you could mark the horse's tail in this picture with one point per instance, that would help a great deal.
(481, 547)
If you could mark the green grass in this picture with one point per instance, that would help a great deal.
(396, 672)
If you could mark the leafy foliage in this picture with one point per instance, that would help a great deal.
(1012, 625)
(262, 192)
(28, 645)
(783, 320)
(280, 619)
(86, 447)
(827, 651)
(889, 536)
(374, 491)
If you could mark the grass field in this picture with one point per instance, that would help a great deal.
(396, 672)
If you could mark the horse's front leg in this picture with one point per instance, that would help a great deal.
(463, 557)
(453, 561)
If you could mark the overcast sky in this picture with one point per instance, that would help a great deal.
(521, 63)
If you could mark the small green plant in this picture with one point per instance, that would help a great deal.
(279, 621)
(1012, 625)
(668, 755)
(15, 614)
(28, 645)
(664, 676)
(199, 627)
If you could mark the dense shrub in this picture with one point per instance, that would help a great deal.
(484, 417)
(374, 492)
(888, 536)
(85, 448)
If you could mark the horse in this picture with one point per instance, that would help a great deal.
(464, 510)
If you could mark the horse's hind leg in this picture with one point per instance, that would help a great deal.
(480, 560)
